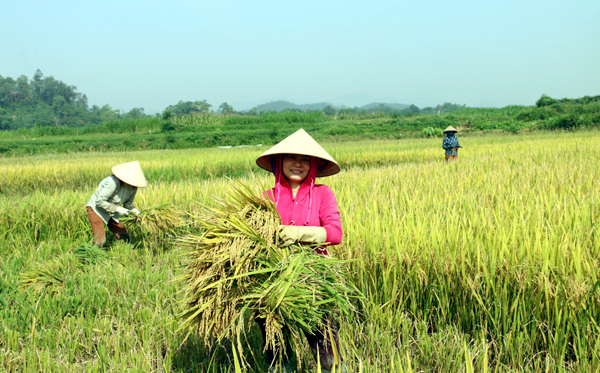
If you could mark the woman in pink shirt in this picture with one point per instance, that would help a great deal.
(308, 211)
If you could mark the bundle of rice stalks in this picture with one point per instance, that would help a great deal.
(237, 273)
(90, 254)
(156, 224)
(49, 277)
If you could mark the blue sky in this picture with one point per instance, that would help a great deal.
(152, 54)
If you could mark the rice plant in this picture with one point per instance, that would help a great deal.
(486, 263)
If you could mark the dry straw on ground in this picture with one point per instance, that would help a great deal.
(238, 273)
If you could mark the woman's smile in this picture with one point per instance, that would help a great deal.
(296, 168)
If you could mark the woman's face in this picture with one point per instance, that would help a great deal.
(296, 167)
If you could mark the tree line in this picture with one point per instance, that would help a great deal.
(48, 102)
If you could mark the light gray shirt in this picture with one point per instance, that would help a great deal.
(111, 193)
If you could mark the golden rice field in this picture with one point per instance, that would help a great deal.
(490, 263)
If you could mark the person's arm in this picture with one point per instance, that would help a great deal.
(107, 189)
(446, 144)
(129, 203)
(330, 230)
(330, 217)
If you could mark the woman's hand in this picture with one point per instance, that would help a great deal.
(290, 234)
(122, 211)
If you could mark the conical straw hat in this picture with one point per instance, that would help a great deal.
(450, 129)
(130, 173)
(302, 143)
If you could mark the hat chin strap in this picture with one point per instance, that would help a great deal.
(276, 166)
(312, 175)
(275, 161)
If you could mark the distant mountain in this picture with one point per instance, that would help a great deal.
(354, 99)
(283, 105)
(317, 106)
(247, 105)
(376, 104)
(276, 106)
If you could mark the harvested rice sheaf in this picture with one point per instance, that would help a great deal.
(47, 277)
(157, 224)
(238, 273)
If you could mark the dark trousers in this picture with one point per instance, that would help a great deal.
(320, 343)
(118, 229)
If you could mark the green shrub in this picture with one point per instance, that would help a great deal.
(513, 126)
(433, 132)
(480, 125)
(565, 122)
(167, 127)
(537, 113)
(595, 120)
(592, 108)
(545, 101)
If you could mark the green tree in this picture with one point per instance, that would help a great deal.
(47, 101)
(545, 101)
(104, 113)
(189, 107)
(329, 110)
(226, 109)
(204, 106)
(412, 109)
(135, 113)
(58, 104)
(22, 89)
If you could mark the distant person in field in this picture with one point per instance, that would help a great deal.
(308, 211)
(104, 207)
(450, 143)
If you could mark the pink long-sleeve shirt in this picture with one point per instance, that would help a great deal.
(315, 205)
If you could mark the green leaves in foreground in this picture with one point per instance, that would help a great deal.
(90, 254)
(237, 273)
(50, 276)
